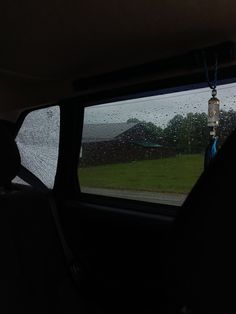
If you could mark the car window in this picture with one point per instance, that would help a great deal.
(152, 148)
(38, 143)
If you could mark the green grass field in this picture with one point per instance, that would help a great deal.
(171, 175)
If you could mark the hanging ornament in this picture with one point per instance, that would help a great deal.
(213, 120)
(213, 113)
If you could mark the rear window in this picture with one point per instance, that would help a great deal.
(38, 143)
(151, 149)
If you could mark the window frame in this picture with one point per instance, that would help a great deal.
(18, 124)
(66, 184)
(124, 94)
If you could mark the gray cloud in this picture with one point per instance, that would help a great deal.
(162, 108)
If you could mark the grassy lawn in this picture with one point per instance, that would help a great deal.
(172, 175)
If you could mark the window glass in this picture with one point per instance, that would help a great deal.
(38, 142)
(151, 149)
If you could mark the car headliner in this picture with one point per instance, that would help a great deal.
(46, 45)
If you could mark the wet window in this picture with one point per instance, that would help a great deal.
(38, 142)
(151, 149)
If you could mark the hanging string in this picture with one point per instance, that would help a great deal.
(211, 84)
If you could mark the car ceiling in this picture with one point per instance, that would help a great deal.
(46, 45)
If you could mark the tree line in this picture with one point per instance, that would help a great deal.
(188, 134)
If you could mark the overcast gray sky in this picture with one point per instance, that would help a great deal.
(162, 108)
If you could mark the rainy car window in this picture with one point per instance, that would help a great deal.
(38, 142)
(151, 149)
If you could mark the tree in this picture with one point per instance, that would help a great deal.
(133, 120)
(172, 133)
(187, 135)
(227, 124)
(155, 133)
(195, 133)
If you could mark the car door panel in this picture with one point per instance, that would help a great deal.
(124, 250)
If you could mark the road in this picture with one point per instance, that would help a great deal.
(154, 197)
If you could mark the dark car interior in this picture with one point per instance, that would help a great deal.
(68, 249)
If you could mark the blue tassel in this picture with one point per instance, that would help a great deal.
(211, 151)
